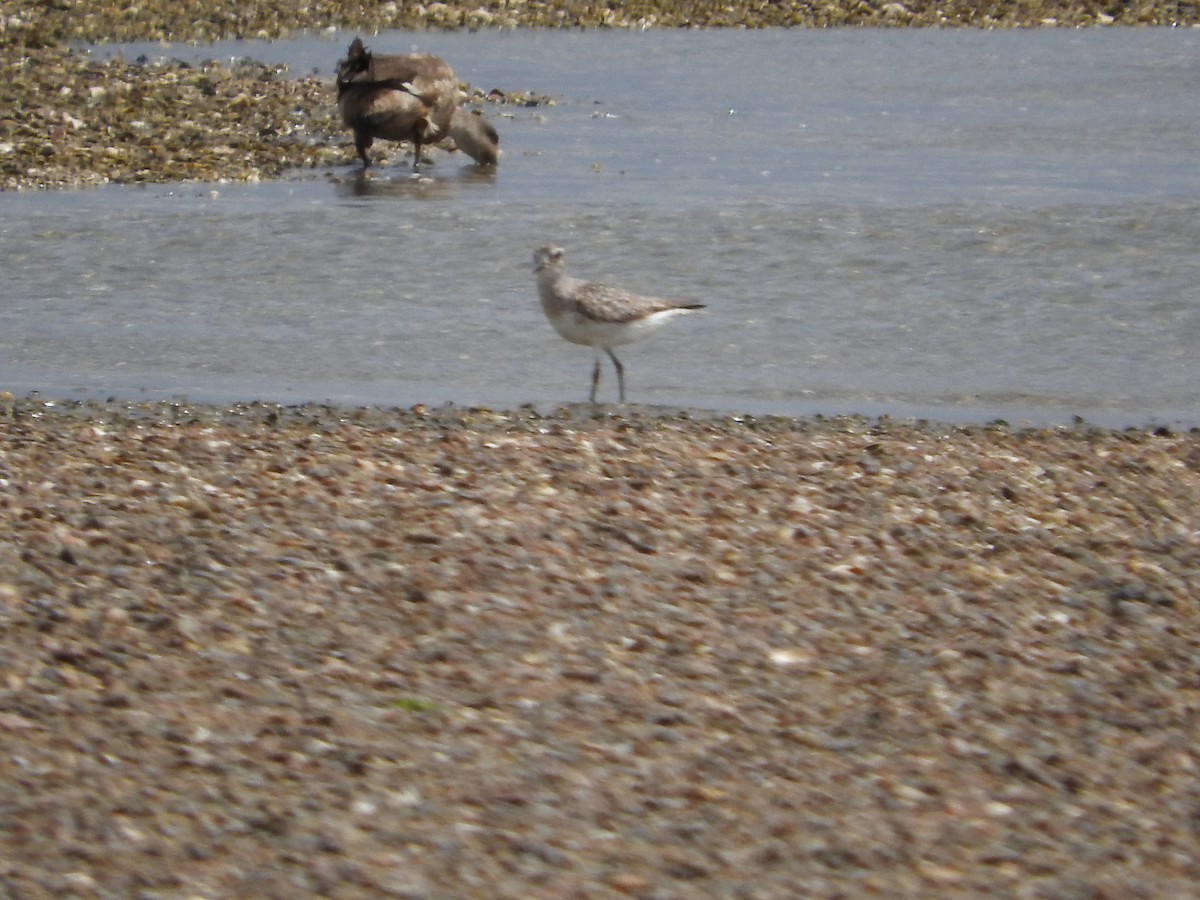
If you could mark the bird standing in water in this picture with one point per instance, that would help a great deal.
(410, 97)
(596, 315)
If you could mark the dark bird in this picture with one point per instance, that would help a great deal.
(411, 97)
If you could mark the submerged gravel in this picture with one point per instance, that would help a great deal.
(258, 651)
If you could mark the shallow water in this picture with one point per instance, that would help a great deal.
(958, 224)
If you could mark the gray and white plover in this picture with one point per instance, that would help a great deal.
(411, 97)
(600, 316)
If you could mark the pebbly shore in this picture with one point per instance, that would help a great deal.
(317, 651)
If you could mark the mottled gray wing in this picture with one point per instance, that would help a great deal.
(606, 303)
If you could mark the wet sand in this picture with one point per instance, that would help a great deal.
(257, 651)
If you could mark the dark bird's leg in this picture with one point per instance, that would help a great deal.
(595, 378)
(620, 374)
(363, 141)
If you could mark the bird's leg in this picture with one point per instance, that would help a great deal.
(416, 153)
(620, 374)
(595, 378)
(362, 142)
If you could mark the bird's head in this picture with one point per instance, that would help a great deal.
(548, 257)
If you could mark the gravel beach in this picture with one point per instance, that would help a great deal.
(264, 651)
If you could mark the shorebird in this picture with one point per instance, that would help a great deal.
(411, 97)
(596, 315)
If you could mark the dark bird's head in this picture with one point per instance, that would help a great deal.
(475, 136)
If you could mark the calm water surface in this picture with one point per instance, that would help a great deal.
(956, 224)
